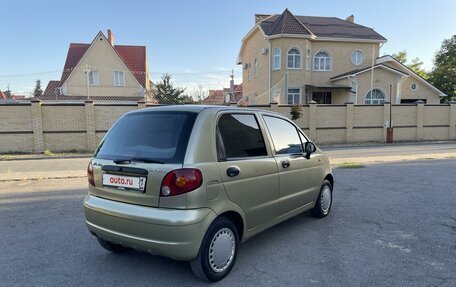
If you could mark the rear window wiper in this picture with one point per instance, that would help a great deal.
(137, 159)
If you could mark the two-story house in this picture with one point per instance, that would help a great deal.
(102, 70)
(292, 60)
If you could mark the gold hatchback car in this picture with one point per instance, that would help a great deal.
(192, 182)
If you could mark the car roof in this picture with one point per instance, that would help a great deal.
(197, 109)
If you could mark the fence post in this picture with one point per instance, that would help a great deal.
(141, 104)
(90, 125)
(452, 132)
(313, 120)
(419, 120)
(350, 120)
(37, 124)
(386, 120)
(274, 107)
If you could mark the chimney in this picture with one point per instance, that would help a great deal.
(110, 37)
(350, 18)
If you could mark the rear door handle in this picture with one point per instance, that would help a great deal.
(285, 163)
(233, 171)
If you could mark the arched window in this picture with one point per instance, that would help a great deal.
(276, 58)
(374, 97)
(255, 68)
(322, 61)
(294, 59)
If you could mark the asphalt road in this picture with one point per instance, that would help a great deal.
(391, 225)
(360, 151)
(76, 167)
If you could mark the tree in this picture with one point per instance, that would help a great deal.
(38, 92)
(443, 75)
(167, 94)
(415, 65)
(199, 93)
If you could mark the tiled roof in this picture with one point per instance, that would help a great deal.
(75, 53)
(287, 23)
(135, 59)
(356, 71)
(332, 27)
(51, 88)
(93, 98)
(215, 97)
(4, 96)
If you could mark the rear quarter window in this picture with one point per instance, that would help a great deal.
(240, 137)
(154, 135)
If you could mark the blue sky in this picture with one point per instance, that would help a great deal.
(193, 39)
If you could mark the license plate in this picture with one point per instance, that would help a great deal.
(121, 181)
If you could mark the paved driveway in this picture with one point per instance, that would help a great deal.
(391, 225)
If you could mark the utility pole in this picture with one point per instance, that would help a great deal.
(232, 86)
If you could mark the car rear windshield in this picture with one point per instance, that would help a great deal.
(160, 136)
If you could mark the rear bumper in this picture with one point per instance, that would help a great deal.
(168, 232)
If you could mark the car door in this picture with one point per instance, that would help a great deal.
(298, 176)
(249, 174)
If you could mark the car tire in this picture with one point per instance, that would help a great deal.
(115, 248)
(218, 251)
(324, 201)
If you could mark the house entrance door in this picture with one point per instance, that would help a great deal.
(322, 97)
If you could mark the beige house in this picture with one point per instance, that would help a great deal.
(292, 60)
(101, 70)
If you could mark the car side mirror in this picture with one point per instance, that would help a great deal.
(309, 148)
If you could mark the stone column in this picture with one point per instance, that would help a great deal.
(90, 125)
(452, 131)
(386, 118)
(37, 124)
(350, 120)
(141, 104)
(419, 120)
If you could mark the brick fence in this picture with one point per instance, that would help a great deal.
(37, 126)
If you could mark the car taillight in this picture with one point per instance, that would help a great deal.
(90, 176)
(181, 181)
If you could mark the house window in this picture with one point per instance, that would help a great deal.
(294, 59)
(255, 68)
(414, 87)
(357, 58)
(322, 61)
(94, 78)
(276, 59)
(375, 97)
(118, 78)
(293, 96)
(308, 64)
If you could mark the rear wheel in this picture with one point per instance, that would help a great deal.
(218, 251)
(110, 246)
(324, 201)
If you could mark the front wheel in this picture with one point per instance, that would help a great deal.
(218, 251)
(324, 201)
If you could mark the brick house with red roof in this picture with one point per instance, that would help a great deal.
(102, 70)
(223, 97)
